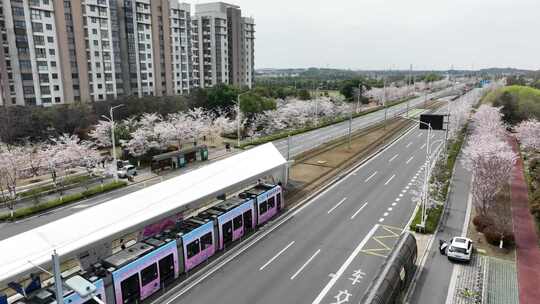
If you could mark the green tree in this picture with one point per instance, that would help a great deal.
(252, 104)
(509, 107)
(349, 88)
(221, 95)
(303, 94)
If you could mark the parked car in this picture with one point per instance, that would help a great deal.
(460, 249)
(127, 171)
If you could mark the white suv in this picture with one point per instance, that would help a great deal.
(126, 171)
(460, 249)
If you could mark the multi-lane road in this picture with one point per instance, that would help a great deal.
(329, 250)
(312, 139)
(299, 143)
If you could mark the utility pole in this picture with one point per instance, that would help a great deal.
(317, 105)
(289, 147)
(58, 277)
(350, 130)
(384, 102)
(410, 84)
(238, 118)
(111, 120)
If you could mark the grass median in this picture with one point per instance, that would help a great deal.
(441, 176)
(67, 199)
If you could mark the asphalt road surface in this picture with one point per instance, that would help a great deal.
(299, 143)
(309, 140)
(331, 248)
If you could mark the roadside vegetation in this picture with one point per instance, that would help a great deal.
(442, 172)
(64, 200)
(518, 103)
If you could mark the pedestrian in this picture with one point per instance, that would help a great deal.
(442, 246)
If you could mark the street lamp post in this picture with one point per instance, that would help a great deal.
(111, 120)
(427, 171)
(238, 118)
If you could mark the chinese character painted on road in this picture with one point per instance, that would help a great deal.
(342, 297)
(357, 276)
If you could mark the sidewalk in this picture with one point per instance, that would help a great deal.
(528, 252)
(433, 283)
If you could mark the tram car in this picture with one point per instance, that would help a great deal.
(138, 271)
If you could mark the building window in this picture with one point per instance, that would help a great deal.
(18, 11)
(37, 27)
(39, 40)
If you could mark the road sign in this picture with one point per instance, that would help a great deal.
(434, 120)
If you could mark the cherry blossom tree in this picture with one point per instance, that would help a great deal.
(528, 133)
(488, 120)
(34, 159)
(138, 145)
(11, 160)
(101, 134)
(491, 161)
(489, 157)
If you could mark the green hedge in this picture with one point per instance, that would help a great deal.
(432, 220)
(65, 182)
(325, 123)
(27, 211)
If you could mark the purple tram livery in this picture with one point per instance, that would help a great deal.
(137, 272)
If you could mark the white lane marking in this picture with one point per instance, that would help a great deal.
(409, 160)
(389, 209)
(404, 190)
(385, 214)
(391, 159)
(394, 204)
(305, 264)
(390, 179)
(381, 220)
(277, 255)
(423, 146)
(175, 293)
(401, 195)
(345, 265)
(370, 177)
(409, 144)
(358, 211)
(337, 205)
(397, 199)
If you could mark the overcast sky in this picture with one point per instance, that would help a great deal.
(379, 34)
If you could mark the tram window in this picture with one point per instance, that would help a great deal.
(271, 203)
(237, 222)
(193, 249)
(149, 274)
(278, 198)
(262, 207)
(206, 240)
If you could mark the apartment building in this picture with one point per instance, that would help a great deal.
(223, 45)
(31, 61)
(62, 51)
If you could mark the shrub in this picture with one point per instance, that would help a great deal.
(493, 236)
(535, 209)
(24, 212)
(481, 222)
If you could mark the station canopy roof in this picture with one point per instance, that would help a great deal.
(19, 254)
